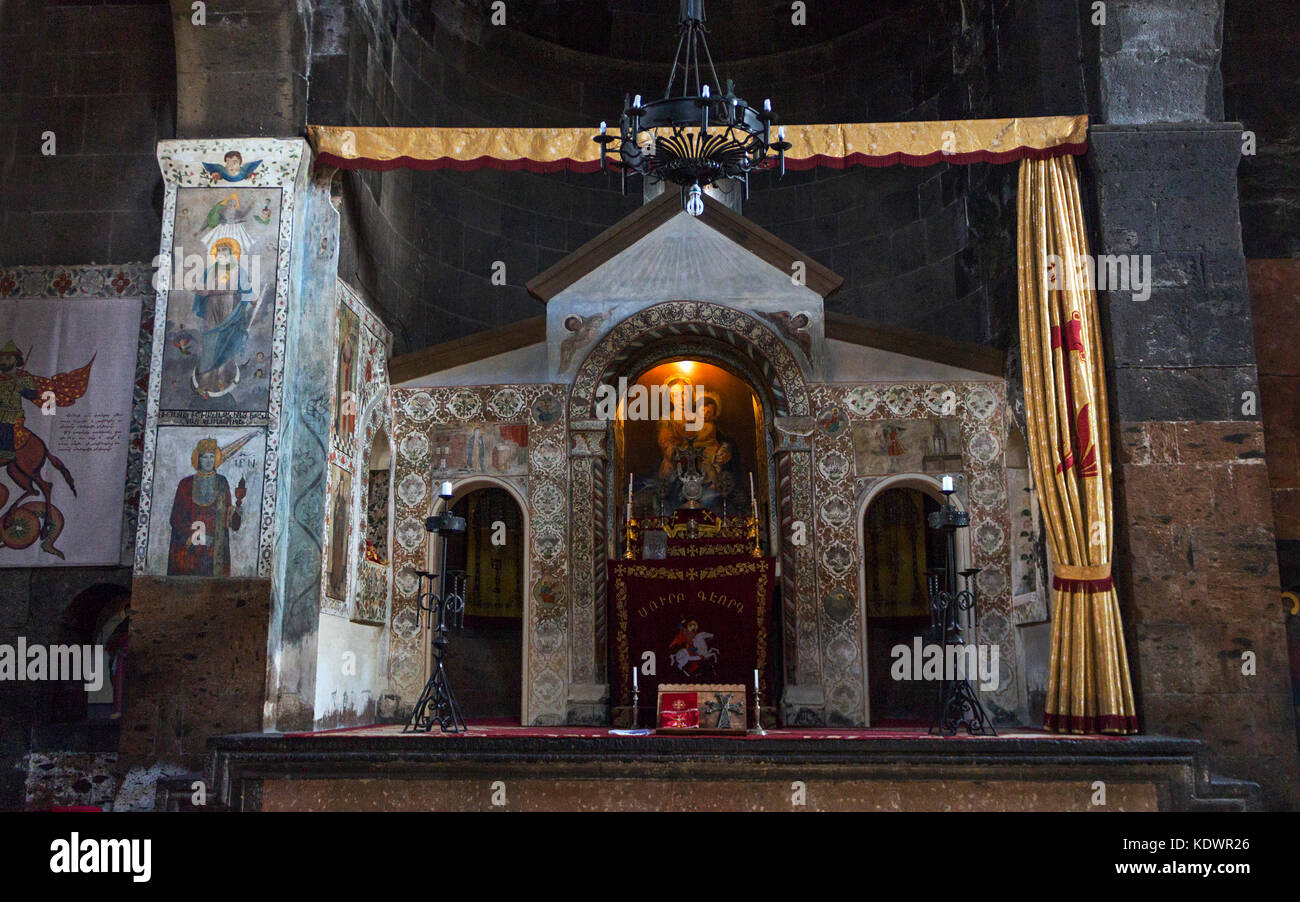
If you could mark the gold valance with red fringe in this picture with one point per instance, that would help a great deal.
(834, 145)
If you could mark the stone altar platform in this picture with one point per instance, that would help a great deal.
(378, 768)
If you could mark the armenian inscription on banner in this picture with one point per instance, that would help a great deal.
(67, 371)
(704, 622)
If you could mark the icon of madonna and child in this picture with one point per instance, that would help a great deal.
(699, 464)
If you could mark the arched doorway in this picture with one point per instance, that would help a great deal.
(735, 339)
(98, 616)
(714, 418)
(898, 547)
(484, 661)
(897, 550)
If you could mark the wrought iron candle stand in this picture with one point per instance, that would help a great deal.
(437, 703)
(957, 703)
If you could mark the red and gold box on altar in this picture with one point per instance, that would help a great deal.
(702, 708)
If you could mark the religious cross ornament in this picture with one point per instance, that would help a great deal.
(724, 707)
(698, 138)
(688, 471)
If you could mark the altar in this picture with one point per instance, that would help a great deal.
(695, 433)
(691, 605)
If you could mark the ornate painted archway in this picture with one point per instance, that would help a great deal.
(730, 336)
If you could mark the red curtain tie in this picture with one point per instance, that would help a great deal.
(1091, 578)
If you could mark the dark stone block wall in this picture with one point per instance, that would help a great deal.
(930, 248)
(1195, 538)
(1187, 352)
(103, 78)
(1261, 75)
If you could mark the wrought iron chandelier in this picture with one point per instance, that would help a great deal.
(693, 140)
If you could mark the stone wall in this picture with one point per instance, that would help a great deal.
(197, 666)
(1201, 581)
(1275, 301)
(108, 101)
(33, 603)
(1198, 575)
(1261, 90)
(96, 199)
(916, 246)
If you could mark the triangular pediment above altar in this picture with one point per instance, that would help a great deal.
(661, 252)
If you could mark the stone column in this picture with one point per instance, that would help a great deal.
(803, 701)
(1197, 567)
(588, 690)
(233, 647)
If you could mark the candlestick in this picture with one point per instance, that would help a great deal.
(630, 534)
(629, 491)
(757, 728)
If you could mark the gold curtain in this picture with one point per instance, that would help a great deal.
(1088, 688)
(829, 144)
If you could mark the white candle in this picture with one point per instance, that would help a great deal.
(753, 498)
(755, 680)
(634, 678)
(603, 126)
(447, 490)
(947, 484)
(629, 491)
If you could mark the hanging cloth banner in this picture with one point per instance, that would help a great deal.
(835, 146)
(1088, 685)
